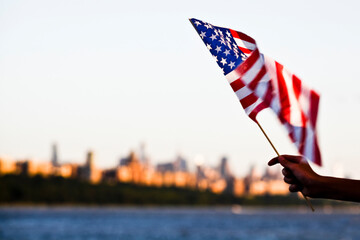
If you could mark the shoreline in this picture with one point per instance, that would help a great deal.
(234, 209)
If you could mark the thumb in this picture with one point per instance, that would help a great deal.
(284, 162)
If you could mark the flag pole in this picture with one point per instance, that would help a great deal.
(272, 145)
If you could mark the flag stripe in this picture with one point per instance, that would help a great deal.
(263, 86)
(245, 67)
(316, 157)
(314, 106)
(253, 84)
(236, 85)
(243, 92)
(242, 36)
(250, 109)
(302, 139)
(256, 110)
(297, 86)
(245, 45)
(303, 107)
(245, 50)
(248, 100)
(252, 72)
(283, 96)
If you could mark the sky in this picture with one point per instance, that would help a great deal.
(109, 75)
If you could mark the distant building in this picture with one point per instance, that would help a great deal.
(176, 173)
(239, 187)
(7, 166)
(271, 174)
(131, 169)
(88, 171)
(277, 187)
(143, 157)
(180, 164)
(40, 168)
(166, 167)
(225, 169)
(32, 168)
(227, 175)
(54, 156)
(110, 175)
(67, 170)
(270, 183)
(210, 179)
(22, 167)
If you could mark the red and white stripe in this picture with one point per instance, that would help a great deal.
(245, 43)
(249, 80)
(261, 82)
(296, 105)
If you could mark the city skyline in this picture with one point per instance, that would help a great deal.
(136, 168)
(141, 152)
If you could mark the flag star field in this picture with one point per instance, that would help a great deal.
(221, 45)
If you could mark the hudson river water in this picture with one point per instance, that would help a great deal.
(110, 223)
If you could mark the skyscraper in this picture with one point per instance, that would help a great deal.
(54, 157)
(225, 169)
(90, 160)
(87, 171)
(180, 164)
(144, 159)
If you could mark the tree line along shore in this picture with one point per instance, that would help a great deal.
(21, 189)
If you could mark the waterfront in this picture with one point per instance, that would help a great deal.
(177, 223)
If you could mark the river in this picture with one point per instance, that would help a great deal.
(178, 223)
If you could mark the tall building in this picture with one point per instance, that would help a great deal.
(180, 164)
(165, 167)
(144, 159)
(131, 169)
(54, 156)
(88, 171)
(225, 169)
(90, 160)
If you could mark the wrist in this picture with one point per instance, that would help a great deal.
(325, 187)
(317, 188)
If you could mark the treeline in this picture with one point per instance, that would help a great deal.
(21, 189)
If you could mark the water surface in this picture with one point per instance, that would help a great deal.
(41, 223)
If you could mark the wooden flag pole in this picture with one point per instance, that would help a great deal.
(272, 145)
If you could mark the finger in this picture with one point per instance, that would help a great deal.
(293, 158)
(295, 188)
(273, 161)
(286, 163)
(290, 180)
(287, 173)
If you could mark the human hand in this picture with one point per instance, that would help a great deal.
(298, 173)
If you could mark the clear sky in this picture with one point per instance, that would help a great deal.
(108, 75)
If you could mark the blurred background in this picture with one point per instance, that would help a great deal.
(117, 102)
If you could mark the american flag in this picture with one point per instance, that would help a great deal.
(260, 82)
